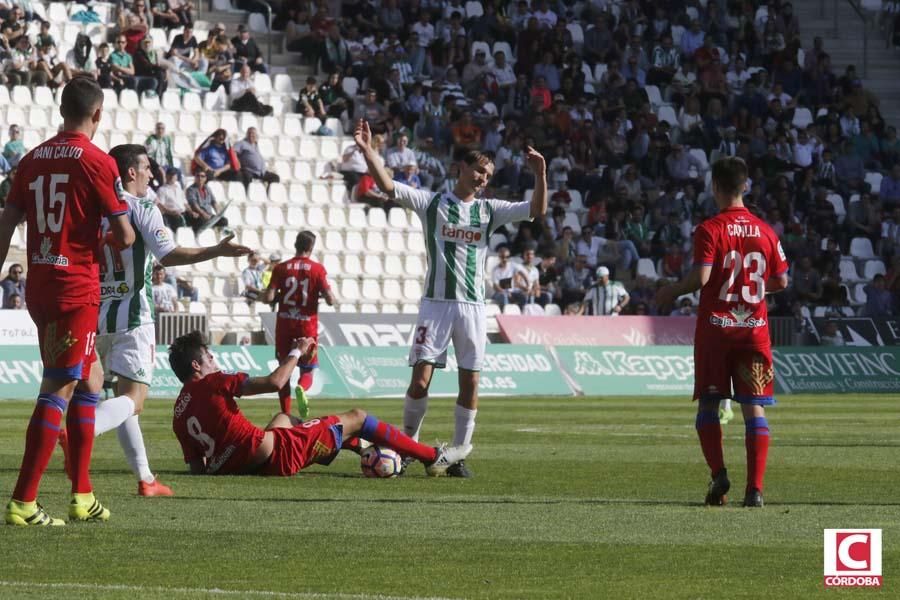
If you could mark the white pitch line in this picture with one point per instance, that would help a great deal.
(210, 591)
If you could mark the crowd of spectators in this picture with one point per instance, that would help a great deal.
(629, 102)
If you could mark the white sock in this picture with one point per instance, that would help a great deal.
(465, 425)
(131, 439)
(726, 404)
(112, 413)
(413, 414)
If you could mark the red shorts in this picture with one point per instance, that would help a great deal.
(297, 447)
(66, 333)
(284, 343)
(749, 370)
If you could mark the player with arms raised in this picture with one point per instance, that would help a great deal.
(737, 261)
(297, 284)
(457, 227)
(217, 439)
(127, 337)
(63, 188)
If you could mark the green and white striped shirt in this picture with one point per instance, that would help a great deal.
(456, 239)
(126, 295)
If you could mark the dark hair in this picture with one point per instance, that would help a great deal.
(80, 99)
(127, 156)
(305, 242)
(184, 351)
(729, 175)
(473, 157)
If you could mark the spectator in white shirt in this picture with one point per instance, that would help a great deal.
(171, 201)
(532, 275)
(588, 246)
(737, 76)
(424, 29)
(402, 155)
(508, 282)
(165, 296)
(546, 17)
(805, 150)
(251, 277)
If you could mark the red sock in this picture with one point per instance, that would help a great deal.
(40, 439)
(385, 434)
(710, 431)
(80, 427)
(756, 441)
(306, 378)
(284, 398)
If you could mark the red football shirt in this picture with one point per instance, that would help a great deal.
(64, 187)
(208, 423)
(744, 253)
(298, 283)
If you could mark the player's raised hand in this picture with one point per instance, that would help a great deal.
(535, 161)
(362, 135)
(228, 248)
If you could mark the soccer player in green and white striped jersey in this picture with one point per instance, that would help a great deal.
(126, 339)
(457, 227)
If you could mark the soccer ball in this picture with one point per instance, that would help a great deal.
(379, 462)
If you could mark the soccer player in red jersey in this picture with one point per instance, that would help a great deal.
(297, 284)
(62, 189)
(217, 439)
(737, 261)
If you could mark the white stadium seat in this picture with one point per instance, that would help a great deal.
(393, 265)
(861, 248)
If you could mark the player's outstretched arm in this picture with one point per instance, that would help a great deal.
(538, 166)
(8, 221)
(189, 256)
(329, 297)
(121, 234)
(277, 379)
(363, 138)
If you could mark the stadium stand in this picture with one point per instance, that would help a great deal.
(599, 88)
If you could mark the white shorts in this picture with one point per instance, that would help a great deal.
(441, 323)
(129, 354)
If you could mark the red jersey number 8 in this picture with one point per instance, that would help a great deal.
(755, 261)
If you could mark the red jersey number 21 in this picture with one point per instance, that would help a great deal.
(755, 264)
(52, 214)
(291, 284)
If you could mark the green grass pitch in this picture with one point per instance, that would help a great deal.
(573, 498)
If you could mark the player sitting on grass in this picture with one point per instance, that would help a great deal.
(738, 260)
(217, 438)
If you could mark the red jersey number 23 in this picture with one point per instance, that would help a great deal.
(755, 265)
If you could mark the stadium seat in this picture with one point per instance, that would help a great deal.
(246, 121)
(859, 293)
(873, 268)
(292, 126)
(474, 9)
(328, 149)
(372, 266)
(667, 113)
(191, 102)
(315, 217)
(288, 149)
(496, 240)
(393, 265)
(37, 118)
(646, 268)
(599, 70)
(309, 148)
(350, 290)
(861, 247)
(533, 310)
(274, 217)
(233, 214)
(552, 310)
(378, 220)
(253, 215)
(334, 241)
(282, 84)
(150, 102)
(346, 307)
(297, 194)
(375, 242)
(370, 288)
(838, 203)
(319, 193)
(483, 46)
(351, 265)
(848, 271)
(250, 238)
(368, 308)
(412, 289)
(331, 262)
(43, 96)
(271, 241)
(415, 242)
(413, 266)
(395, 242)
(185, 237)
(353, 242)
(128, 100)
(229, 122)
(356, 217)
(874, 180)
(397, 219)
(391, 290)
(236, 193)
(654, 97)
(512, 309)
